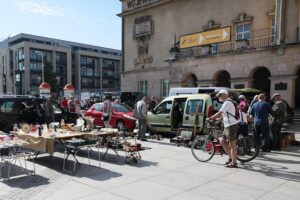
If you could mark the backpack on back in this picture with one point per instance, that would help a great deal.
(237, 113)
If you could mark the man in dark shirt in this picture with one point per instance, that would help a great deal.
(260, 111)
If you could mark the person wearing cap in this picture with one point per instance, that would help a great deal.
(276, 121)
(229, 138)
(260, 112)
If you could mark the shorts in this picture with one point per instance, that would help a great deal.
(230, 133)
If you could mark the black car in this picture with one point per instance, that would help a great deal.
(15, 109)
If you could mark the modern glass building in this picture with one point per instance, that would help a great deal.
(24, 59)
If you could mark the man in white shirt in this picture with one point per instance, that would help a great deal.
(229, 138)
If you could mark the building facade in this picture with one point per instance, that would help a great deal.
(24, 57)
(231, 43)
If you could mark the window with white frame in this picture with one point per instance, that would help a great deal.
(243, 31)
(143, 87)
(164, 88)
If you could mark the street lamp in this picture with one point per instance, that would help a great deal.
(42, 64)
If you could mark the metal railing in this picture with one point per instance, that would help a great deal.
(261, 38)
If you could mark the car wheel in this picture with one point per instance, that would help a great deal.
(120, 125)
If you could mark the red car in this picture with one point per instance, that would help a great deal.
(122, 116)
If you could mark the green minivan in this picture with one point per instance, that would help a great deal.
(180, 112)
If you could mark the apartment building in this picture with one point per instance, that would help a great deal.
(24, 57)
(231, 43)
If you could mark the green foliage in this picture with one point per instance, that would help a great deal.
(49, 76)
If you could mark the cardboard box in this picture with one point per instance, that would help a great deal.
(283, 142)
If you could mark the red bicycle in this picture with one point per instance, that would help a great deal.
(204, 147)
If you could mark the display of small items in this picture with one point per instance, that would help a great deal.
(287, 138)
(184, 137)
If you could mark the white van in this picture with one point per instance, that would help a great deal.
(194, 90)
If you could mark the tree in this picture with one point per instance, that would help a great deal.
(49, 76)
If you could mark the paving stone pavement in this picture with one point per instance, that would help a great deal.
(166, 172)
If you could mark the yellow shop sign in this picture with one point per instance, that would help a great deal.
(206, 37)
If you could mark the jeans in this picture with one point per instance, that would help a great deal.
(262, 129)
(142, 128)
(243, 129)
(276, 136)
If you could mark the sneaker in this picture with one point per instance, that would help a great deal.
(228, 161)
(232, 165)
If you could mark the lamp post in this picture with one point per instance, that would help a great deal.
(42, 64)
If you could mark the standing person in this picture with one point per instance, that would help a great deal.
(107, 111)
(77, 106)
(260, 111)
(71, 105)
(140, 112)
(49, 112)
(254, 100)
(243, 123)
(152, 103)
(64, 103)
(277, 120)
(243, 103)
(229, 138)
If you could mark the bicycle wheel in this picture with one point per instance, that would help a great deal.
(247, 149)
(202, 148)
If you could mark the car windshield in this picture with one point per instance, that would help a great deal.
(121, 107)
(98, 106)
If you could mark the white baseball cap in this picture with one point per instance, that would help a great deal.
(223, 91)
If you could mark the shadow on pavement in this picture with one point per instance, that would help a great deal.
(274, 167)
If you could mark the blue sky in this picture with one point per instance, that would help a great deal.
(86, 21)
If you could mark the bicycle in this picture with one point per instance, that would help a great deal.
(204, 147)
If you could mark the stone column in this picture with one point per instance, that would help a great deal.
(26, 80)
(280, 21)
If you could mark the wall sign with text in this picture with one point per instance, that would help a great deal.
(205, 38)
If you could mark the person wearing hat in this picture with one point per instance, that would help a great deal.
(229, 138)
(276, 121)
(260, 112)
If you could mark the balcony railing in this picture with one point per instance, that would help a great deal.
(35, 82)
(90, 85)
(90, 74)
(261, 38)
(61, 61)
(106, 76)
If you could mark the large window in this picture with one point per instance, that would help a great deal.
(143, 87)
(194, 106)
(243, 31)
(164, 88)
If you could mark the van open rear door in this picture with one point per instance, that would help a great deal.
(193, 116)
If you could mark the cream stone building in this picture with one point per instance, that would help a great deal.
(232, 43)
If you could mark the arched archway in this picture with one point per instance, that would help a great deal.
(222, 79)
(261, 79)
(189, 80)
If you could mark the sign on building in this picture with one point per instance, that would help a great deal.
(205, 38)
(133, 4)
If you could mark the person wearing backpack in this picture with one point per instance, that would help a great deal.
(260, 112)
(229, 115)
